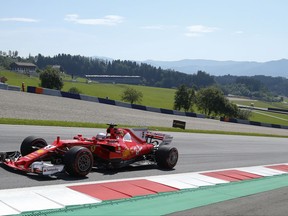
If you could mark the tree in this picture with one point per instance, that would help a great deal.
(184, 98)
(50, 78)
(74, 90)
(191, 99)
(209, 100)
(203, 101)
(5, 61)
(203, 79)
(251, 83)
(15, 54)
(230, 110)
(180, 97)
(212, 101)
(131, 95)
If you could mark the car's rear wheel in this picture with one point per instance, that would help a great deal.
(31, 144)
(78, 161)
(166, 157)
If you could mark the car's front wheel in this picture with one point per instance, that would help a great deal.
(166, 157)
(78, 161)
(31, 144)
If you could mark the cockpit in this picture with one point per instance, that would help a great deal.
(127, 137)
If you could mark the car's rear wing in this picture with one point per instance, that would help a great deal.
(140, 133)
(150, 137)
(165, 138)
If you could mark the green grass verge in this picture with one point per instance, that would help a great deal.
(16, 79)
(12, 121)
(266, 117)
(261, 104)
(271, 118)
(153, 97)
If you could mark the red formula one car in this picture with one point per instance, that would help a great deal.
(119, 147)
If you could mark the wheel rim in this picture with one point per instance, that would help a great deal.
(173, 157)
(84, 162)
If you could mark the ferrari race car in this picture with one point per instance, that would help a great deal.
(119, 147)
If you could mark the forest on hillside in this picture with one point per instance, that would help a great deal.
(150, 75)
(259, 87)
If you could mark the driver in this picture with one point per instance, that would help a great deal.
(101, 136)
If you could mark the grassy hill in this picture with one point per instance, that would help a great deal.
(261, 116)
(154, 97)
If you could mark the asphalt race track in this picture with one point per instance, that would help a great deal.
(198, 152)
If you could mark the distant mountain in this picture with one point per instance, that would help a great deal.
(278, 68)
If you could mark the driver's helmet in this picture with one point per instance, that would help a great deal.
(100, 136)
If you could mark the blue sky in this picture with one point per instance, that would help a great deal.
(241, 30)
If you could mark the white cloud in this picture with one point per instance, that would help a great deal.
(107, 20)
(17, 19)
(198, 30)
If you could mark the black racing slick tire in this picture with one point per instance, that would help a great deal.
(78, 161)
(31, 144)
(166, 157)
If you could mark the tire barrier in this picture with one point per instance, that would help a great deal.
(240, 121)
(269, 109)
(106, 101)
(89, 98)
(166, 111)
(3, 86)
(140, 107)
(14, 88)
(70, 95)
(52, 92)
(278, 110)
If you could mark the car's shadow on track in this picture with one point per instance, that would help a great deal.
(129, 169)
(113, 171)
(64, 176)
